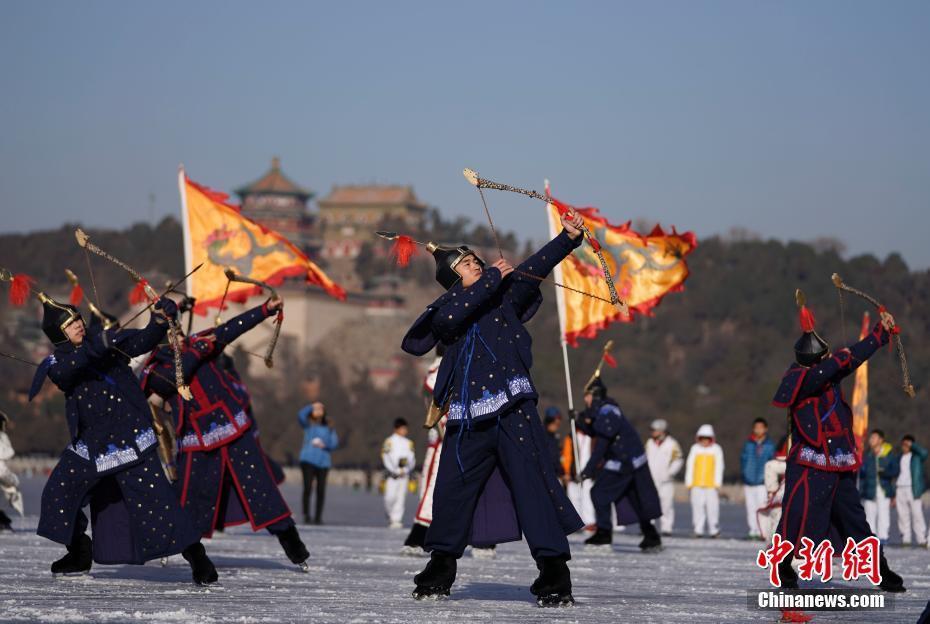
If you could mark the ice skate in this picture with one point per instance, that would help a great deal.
(793, 615)
(412, 551)
(435, 581)
(413, 545)
(789, 578)
(891, 581)
(202, 569)
(294, 548)
(553, 586)
(483, 553)
(651, 542)
(79, 559)
(601, 540)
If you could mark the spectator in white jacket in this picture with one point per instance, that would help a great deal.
(399, 460)
(9, 482)
(769, 515)
(704, 477)
(665, 461)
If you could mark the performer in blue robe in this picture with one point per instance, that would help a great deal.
(495, 480)
(111, 462)
(619, 469)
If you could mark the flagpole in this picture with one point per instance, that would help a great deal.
(185, 224)
(560, 305)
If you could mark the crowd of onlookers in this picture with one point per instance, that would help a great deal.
(889, 478)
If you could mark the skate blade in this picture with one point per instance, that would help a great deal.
(652, 550)
(304, 567)
(412, 551)
(434, 596)
(164, 562)
(71, 575)
(555, 600)
(599, 548)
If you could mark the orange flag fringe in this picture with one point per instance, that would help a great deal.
(217, 234)
(860, 395)
(644, 270)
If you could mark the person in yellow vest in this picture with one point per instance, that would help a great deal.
(704, 476)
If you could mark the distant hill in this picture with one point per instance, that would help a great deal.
(713, 353)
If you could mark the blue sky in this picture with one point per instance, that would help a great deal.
(792, 119)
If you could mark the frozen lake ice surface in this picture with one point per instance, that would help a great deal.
(357, 574)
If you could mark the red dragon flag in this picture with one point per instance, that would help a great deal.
(644, 270)
(218, 235)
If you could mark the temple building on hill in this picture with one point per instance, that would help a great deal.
(350, 214)
(281, 205)
(347, 218)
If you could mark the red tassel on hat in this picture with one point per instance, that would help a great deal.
(404, 248)
(77, 295)
(19, 289)
(610, 361)
(138, 293)
(806, 318)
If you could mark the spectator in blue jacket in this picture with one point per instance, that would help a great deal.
(910, 486)
(320, 440)
(757, 450)
(877, 476)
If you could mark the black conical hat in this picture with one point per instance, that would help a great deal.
(810, 348)
(56, 316)
(447, 258)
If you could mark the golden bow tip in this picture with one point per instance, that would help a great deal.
(229, 273)
(471, 175)
(608, 346)
(799, 297)
(71, 277)
(837, 280)
(185, 392)
(82, 237)
(6, 275)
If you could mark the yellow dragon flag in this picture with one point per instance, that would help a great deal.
(644, 270)
(860, 395)
(219, 236)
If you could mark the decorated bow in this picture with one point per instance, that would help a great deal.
(231, 277)
(481, 183)
(142, 292)
(895, 331)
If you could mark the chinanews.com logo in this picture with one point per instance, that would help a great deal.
(858, 560)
